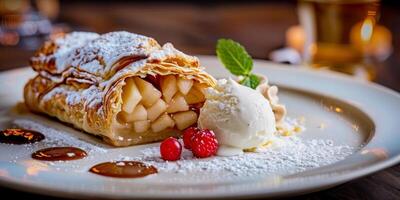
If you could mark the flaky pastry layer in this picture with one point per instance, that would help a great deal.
(80, 80)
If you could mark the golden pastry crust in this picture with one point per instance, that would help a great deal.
(81, 77)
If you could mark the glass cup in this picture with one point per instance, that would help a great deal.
(338, 34)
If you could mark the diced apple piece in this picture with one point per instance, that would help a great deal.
(162, 123)
(121, 118)
(168, 87)
(184, 119)
(184, 85)
(200, 86)
(139, 113)
(141, 126)
(178, 103)
(156, 110)
(130, 96)
(194, 96)
(149, 93)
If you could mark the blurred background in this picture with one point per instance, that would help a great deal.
(357, 37)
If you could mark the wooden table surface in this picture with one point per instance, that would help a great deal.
(194, 29)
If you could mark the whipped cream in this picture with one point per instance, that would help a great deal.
(241, 117)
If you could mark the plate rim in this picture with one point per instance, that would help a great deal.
(332, 181)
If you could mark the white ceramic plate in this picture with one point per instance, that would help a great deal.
(367, 116)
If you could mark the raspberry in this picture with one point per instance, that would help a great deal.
(208, 132)
(170, 149)
(188, 135)
(204, 144)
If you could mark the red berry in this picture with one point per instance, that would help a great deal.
(188, 135)
(208, 132)
(171, 149)
(204, 144)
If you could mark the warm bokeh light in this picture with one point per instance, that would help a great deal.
(338, 110)
(295, 37)
(367, 29)
(371, 39)
(367, 37)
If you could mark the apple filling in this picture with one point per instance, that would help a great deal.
(157, 103)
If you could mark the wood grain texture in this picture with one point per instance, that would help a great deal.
(195, 29)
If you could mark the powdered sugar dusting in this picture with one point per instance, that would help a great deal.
(57, 138)
(99, 55)
(286, 155)
(168, 50)
(68, 44)
(73, 40)
(91, 96)
(96, 55)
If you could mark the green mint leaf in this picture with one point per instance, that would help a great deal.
(234, 57)
(245, 81)
(251, 81)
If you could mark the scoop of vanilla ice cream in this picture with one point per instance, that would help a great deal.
(240, 116)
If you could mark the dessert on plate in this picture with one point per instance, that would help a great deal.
(121, 86)
(128, 90)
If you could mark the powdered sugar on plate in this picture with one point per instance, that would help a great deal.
(57, 138)
(286, 155)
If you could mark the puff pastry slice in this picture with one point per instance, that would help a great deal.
(121, 86)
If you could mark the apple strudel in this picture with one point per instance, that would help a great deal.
(121, 86)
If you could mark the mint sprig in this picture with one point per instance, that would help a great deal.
(251, 81)
(236, 59)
